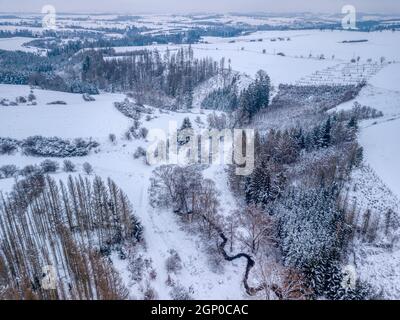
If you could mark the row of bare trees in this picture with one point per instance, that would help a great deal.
(66, 228)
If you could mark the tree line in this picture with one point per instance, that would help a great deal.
(71, 227)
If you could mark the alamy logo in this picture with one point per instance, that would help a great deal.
(349, 20)
(184, 147)
(49, 20)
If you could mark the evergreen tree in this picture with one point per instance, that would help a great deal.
(186, 124)
(264, 186)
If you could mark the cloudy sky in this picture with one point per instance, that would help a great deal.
(187, 6)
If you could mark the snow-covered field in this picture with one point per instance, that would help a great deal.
(380, 137)
(163, 231)
(16, 44)
(307, 55)
(77, 118)
(302, 51)
(380, 189)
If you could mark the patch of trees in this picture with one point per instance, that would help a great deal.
(57, 147)
(185, 190)
(48, 147)
(45, 167)
(131, 110)
(149, 75)
(278, 151)
(51, 81)
(327, 279)
(297, 182)
(18, 66)
(224, 99)
(253, 99)
(310, 226)
(265, 185)
(245, 104)
(69, 227)
(359, 112)
(318, 97)
(17, 33)
(312, 232)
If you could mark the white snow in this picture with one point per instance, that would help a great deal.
(378, 188)
(163, 231)
(77, 118)
(16, 44)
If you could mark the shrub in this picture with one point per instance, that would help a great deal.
(130, 109)
(140, 152)
(31, 97)
(179, 292)
(173, 262)
(68, 166)
(127, 135)
(58, 102)
(8, 171)
(87, 97)
(21, 99)
(149, 293)
(112, 137)
(30, 170)
(8, 145)
(87, 168)
(49, 166)
(143, 132)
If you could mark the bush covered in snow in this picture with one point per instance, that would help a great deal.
(68, 166)
(30, 170)
(57, 147)
(112, 138)
(57, 102)
(130, 109)
(8, 145)
(87, 168)
(173, 264)
(143, 132)
(87, 97)
(8, 171)
(179, 292)
(140, 152)
(359, 112)
(49, 166)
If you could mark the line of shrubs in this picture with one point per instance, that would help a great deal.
(48, 147)
(45, 167)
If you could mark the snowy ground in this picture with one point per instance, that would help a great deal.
(163, 231)
(16, 44)
(77, 118)
(302, 53)
(378, 187)
(380, 137)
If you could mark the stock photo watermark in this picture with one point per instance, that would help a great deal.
(210, 147)
(350, 18)
(49, 20)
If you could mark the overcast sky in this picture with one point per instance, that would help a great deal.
(188, 6)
